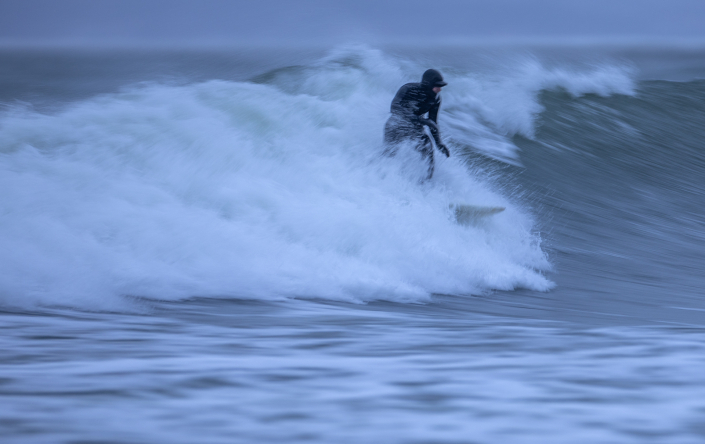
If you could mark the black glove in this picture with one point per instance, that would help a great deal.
(444, 149)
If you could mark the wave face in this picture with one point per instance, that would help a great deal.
(270, 188)
(621, 177)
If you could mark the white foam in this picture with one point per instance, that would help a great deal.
(262, 191)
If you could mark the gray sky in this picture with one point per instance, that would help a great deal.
(195, 22)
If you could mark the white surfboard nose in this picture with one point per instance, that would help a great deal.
(467, 214)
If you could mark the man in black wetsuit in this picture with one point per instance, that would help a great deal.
(406, 123)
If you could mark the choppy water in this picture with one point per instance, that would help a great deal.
(208, 247)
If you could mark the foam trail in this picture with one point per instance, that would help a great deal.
(265, 189)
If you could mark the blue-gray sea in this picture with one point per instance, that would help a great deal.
(207, 246)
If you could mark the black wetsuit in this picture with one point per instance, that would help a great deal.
(406, 123)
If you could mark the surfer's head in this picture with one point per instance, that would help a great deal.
(433, 79)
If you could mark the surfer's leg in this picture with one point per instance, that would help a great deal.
(393, 135)
(426, 150)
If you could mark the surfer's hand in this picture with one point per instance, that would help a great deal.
(444, 149)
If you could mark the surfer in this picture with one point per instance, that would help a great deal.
(406, 124)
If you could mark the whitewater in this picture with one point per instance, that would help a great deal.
(190, 253)
(250, 190)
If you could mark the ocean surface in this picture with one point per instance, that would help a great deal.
(207, 246)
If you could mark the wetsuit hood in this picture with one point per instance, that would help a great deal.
(433, 78)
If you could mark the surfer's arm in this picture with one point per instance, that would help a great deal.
(432, 124)
(406, 103)
(436, 134)
(433, 112)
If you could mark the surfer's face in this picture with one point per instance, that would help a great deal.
(437, 89)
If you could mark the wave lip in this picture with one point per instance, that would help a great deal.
(485, 111)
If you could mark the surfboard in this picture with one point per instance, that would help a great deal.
(469, 214)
